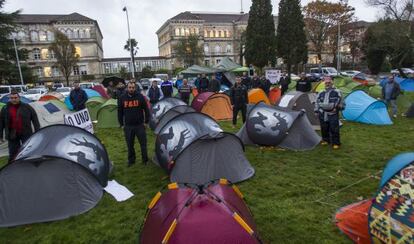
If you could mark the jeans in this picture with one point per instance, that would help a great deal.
(330, 129)
(130, 133)
(236, 109)
(15, 144)
(393, 104)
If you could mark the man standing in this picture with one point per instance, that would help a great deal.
(214, 85)
(284, 83)
(16, 120)
(265, 85)
(304, 84)
(239, 100)
(120, 89)
(185, 90)
(255, 82)
(246, 81)
(328, 105)
(133, 112)
(390, 92)
(167, 88)
(154, 93)
(78, 97)
(203, 84)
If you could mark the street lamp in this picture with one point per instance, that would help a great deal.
(18, 61)
(338, 64)
(130, 44)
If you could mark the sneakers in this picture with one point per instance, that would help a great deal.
(335, 147)
(324, 143)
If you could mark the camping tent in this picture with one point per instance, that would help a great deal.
(161, 107)
(275, 94)
(107, 114)
(2, 105)
(258, 95)
(89, 92)
(193, 149)
(273, 126)
(115, 81)
(360, 107)
(93, 104)
(196, 69)
(298, 101)
(213, 213)
(345, 84)
(5, 99)
(216, 105)
(410, 112)
(50, 112)
(170, 114)
(387, 218)
(60, 172)
(226, 64)
(51, 96)
(101, 90)
(405, 84)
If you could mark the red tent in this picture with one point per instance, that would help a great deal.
(101, 90)
(274, 95)
(216, 105)
(192, 215)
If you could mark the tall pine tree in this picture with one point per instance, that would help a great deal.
(260, 35)
(291, 37)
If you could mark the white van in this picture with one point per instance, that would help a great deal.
(325, 71)
(6, 90)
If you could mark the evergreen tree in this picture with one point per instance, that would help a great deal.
(260, 47)
(291, 37)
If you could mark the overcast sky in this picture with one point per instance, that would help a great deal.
(146, 16)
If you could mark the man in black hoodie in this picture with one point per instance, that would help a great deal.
(133, 112)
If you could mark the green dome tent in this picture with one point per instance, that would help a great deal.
(93, 104)
(108, 114)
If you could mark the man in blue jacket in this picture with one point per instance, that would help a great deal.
(78, 97)
(390, 92)
(167, 88)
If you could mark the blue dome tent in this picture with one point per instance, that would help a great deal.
(23, 99)
(362, 108)
(406, 84)
(89, 92)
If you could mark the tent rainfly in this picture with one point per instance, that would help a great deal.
(170, 114)
(273, 126)
(93, 104)
(60, 172)
(162, 107)
(186, 214)
(89, 92)
(257, 95)
(216, 105)
(108, 114)
(50, 113)
(52, 96)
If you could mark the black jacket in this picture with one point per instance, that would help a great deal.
(247, 82)
(284, 83)
(203, 84)
(214, 86)
(238, 95)
(396, 91)
(78, 98)
(304, 85)
(255, 82)
(28, 116)
(132, 110)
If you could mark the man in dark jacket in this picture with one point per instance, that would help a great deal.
(328, 105)
(185, 91)
(214, 85)
(390, 92)
(303, 84)
(239, 100)
(133, 112)
(255, 82)
(78, 97)
(246, 81)
(203, 84)
(154, 93)
(167, 88)
(16, 121)
(284, 83)
(265, 84)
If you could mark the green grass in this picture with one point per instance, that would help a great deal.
(282, 195)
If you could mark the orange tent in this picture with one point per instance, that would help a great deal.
(274, 95)
(216, 105)
(51, 96)
(352, 220)
(258, 95)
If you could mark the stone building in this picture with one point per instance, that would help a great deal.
(114, 65)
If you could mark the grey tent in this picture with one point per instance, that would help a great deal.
(161, 107)
(298, 101)
(50, 112)
(410, 112)
(226, 64)
(196, 69)
(273, 126)
(192, 148)
(59, 172)
(170, 114)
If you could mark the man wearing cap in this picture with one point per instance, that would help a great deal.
(304, 84)
(328, 105)
(78, 97)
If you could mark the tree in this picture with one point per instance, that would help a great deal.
(322, 19)
(291, 37)
(65, 53)
(188, 51)
(400, 10)
(123, 72)
(147, 72)
(132, 51)
(260, 48)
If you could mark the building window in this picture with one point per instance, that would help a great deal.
(44, 53)
(21, 35)
(207, 62)
(87, 33)
(36, 54)
(42, 36)
(219, 34)
(76, 34)
(229, 48)
(55, 71)
(75, 70)
(50, 36)
(78, 51)
(177, 31)
(51, 54)
(218, 61)
(47, 71)
(210, 33)
(205, 33)
(107, 68)
(39, 71)
(83, 70)
(69, 33)
(217, 48)
(206, 48)
(34, 36)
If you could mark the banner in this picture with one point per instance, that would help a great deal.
(273, 75)
(80, 119)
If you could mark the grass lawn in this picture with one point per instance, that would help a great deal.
(283, 195)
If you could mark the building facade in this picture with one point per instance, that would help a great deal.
(114, 65)
(219, 35)
(36, 34)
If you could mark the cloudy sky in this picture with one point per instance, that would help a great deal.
(146, 16)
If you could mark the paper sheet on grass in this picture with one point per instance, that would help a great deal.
(119, 192)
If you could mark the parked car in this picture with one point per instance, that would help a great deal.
(34, 94)
(6, 90)
(145, 83)
(56, 86)
(350, 73)
(406, 71)
(325, 71)
(65, 91)
(87, 85)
